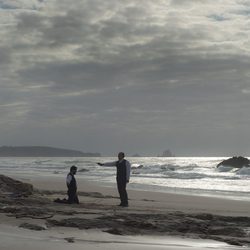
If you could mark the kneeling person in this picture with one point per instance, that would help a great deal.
(72, 186)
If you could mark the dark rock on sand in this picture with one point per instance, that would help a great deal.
(70, 239)
(114, 231)
(28, 211)
(33, 227)
(14, 187)
(222, 230)
(202, 225)
(236, 162)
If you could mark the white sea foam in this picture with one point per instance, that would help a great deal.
(223, 168)
(243, 171)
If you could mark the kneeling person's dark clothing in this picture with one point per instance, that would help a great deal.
(72, 189)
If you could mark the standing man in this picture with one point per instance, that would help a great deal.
(122, 176)
(72, 186)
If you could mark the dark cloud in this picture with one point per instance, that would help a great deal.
(5, 55)
(69, 28)
(29, 22)
(71, 77)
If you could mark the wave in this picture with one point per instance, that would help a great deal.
(186, 176)
(192, 171)
(176, 173)
(243, 171)
(73, 162)
(41, 162)
(223, 168)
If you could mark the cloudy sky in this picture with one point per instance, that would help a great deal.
(126, 75)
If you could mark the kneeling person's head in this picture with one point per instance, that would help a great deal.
(73, 169)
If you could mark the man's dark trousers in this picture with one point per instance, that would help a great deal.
(121, 185)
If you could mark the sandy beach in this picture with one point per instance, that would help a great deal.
(152, 221)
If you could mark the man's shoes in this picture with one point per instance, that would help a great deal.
(123, 205)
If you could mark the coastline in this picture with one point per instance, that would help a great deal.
(156, 200)
(153, 220)
(188, 176)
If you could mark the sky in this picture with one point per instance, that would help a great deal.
(126, 75)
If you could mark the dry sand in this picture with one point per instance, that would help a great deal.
(153, 220)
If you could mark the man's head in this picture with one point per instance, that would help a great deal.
(73, 169)
(121, 156)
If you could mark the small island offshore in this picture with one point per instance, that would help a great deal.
(41, 151)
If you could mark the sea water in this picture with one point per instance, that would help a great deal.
(186, 175)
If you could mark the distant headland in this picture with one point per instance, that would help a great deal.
(42, 151)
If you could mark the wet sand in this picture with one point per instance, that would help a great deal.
(152, 221)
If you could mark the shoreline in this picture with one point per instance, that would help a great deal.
(178, 175)
(176, 221)
(160, 200)
(228, 195)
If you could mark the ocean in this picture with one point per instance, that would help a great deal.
(183, 175)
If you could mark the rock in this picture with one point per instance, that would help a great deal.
(14, 187)
(70, 239)
(229, 231)
(139, 224)
(166, 153)
(114, 231)
(33, 227)
(236, 162)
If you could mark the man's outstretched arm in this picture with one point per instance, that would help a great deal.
(107, 164)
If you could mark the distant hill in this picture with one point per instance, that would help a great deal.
(39, 151)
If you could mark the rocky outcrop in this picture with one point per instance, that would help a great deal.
(166, 153)
(207, 226)
(235, 162)
(14, 187)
